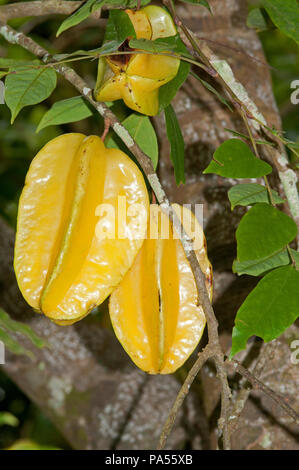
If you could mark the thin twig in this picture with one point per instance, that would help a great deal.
(202, 359)
(145, 162)
(257, 384)
(252, 139)
(266, 353)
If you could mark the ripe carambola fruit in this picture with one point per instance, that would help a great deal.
(154, 311)
(64, 266)
(136, 78)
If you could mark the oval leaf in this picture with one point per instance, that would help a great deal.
(259, 266)
(80, 15)
(65, 111)
(177, 145)
(285, 15)
(263, 231)
(143, 133)
(251, 193)
(28, 87)
(234, 159)
(119, 27)
(269, 309)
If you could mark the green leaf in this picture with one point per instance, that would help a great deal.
(234, 159)
(119, 27)
(2, 74)
(19, 327)
(269, 309)
(6, 63)
(8, 419)
(28, 444)
(251, 193)
(28, 87)
(285, 15)
(65, 111)
(143, 133)
(260, 266)
(107, 48)
(257, 20)
(80, 15)
(177, 145)
(203, 3)
(167, 92)
(213, 90)
(263, 231)
(13, 345)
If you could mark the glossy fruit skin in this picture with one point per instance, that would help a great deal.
(137, 78)
(63, 267)
(154, 310)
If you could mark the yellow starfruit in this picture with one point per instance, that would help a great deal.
(154, 311)
(136, 78)
(69, 254)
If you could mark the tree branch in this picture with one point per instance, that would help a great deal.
(257, 384)
(202, 359)
(69, 74)
(265, 355)
(39, 8)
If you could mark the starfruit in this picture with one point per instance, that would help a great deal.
(136, 78)
(155, 311)
(65, 262)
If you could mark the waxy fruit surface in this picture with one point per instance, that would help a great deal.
(155, 311)
(64, 263)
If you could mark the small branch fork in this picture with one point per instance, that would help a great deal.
(213, 350)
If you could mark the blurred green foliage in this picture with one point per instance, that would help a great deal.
(19, 144)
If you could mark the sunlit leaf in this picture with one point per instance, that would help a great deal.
(143, 133)
(65, 111)
(28, 87)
